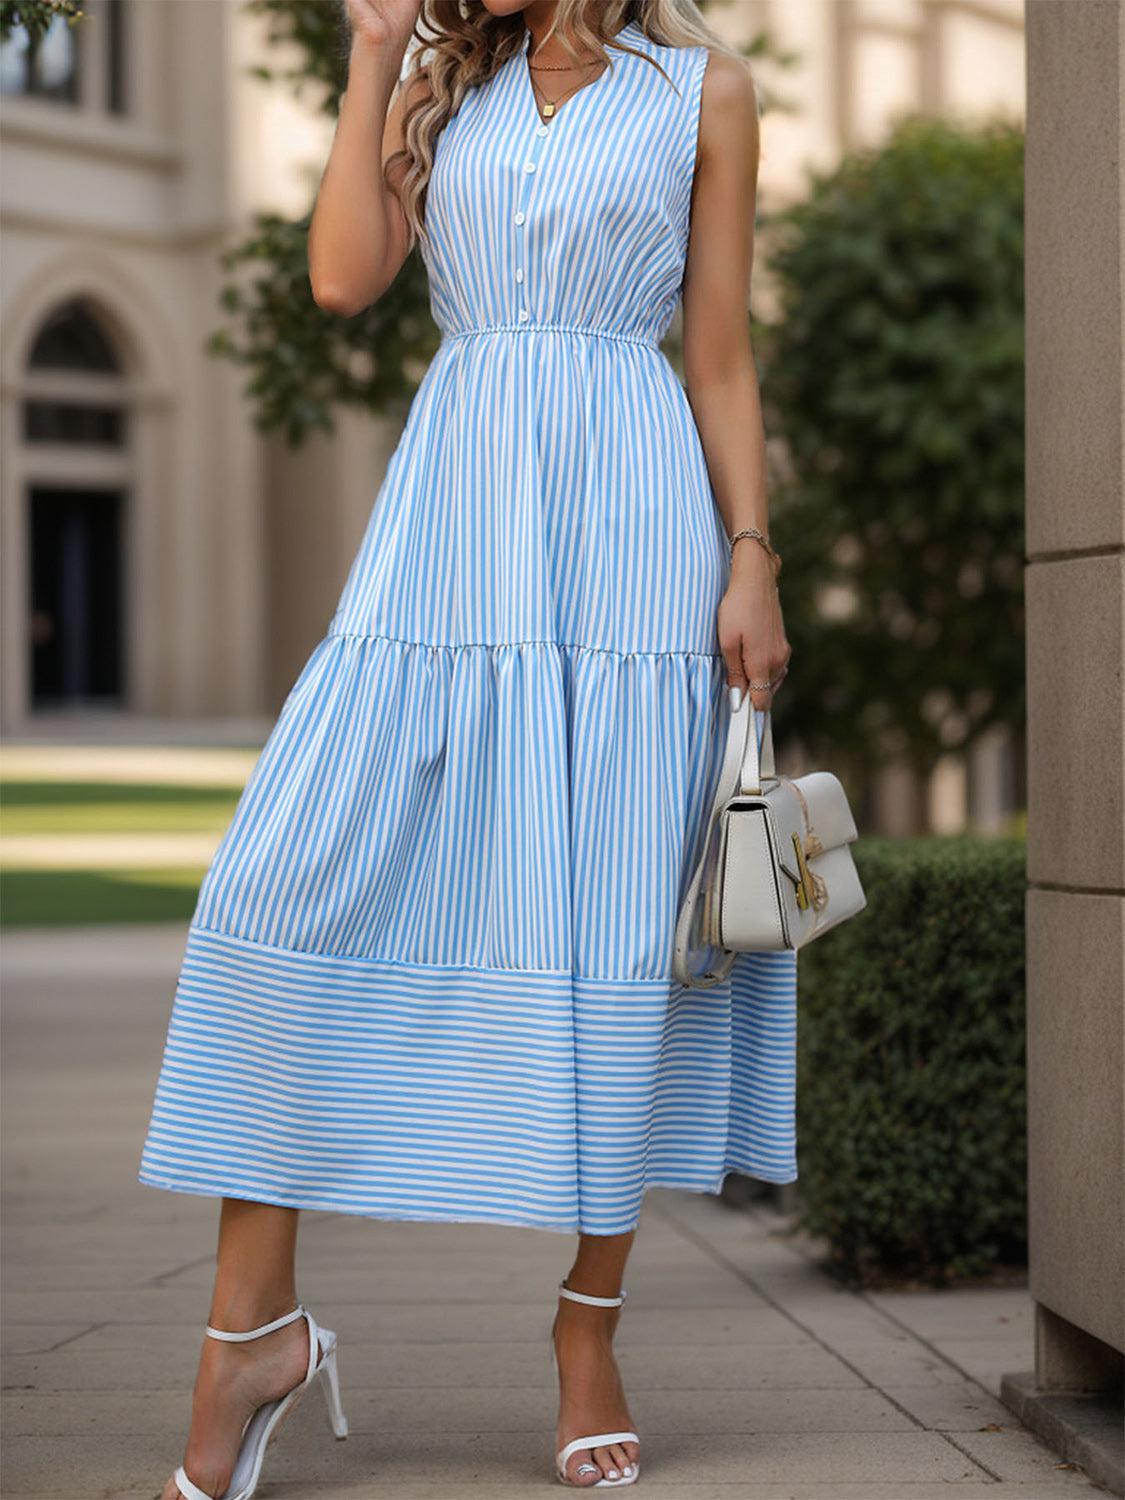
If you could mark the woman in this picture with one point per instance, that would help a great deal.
(429, 972)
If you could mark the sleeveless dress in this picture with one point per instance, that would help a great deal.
(428, 974)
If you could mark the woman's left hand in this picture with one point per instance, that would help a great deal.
(750, 628)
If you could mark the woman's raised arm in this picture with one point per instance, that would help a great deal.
(358, 237)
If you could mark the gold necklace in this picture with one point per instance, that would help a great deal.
(550, 106)
(559, 67)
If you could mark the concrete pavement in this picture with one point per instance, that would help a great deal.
(751, 1375)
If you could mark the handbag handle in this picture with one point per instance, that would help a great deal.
(756, 764)
(740, 754)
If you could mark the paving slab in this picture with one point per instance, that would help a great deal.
(380, 1488)
(752, 1375)
(482, 1321)
(38, 1338)
(950, 1406)
(477, 1460)
(384, 1489)
(1012, 1452)
(387, 1410)
(986, 1332)
(81, 1366)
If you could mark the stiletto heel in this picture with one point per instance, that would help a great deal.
(265, 1421)
(331, 1382)
(597, 1439)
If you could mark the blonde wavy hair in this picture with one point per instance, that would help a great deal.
(460, 45)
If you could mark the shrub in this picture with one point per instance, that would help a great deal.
(911, 1076)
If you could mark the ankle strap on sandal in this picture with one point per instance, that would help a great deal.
(565, 1291)
(255, 1333)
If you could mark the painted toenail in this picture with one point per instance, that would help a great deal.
(612, 1474)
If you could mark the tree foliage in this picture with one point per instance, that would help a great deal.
(893, 378)
(315, 34)
(304, 361)
(36, 16)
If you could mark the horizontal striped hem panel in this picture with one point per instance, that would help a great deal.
(440, 1092)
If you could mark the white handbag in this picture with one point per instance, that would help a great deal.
(776, 869)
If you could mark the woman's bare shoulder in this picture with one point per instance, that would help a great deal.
(728, 86)
(728, 111)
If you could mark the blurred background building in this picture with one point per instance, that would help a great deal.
(166, 567)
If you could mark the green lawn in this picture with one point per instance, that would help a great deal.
(93, 889)
(58, 898)
(34, 807)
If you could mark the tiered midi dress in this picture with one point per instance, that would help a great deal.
(428, 975)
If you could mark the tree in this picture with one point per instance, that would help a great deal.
(893, 380)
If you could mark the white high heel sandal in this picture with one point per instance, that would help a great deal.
(597, 1439)
(262, 1425)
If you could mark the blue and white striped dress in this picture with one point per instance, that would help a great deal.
(428, 975)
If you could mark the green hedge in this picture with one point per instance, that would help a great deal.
(911, 1076)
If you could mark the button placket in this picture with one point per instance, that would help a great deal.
(527, 170)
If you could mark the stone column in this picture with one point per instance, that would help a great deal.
(1075, 580)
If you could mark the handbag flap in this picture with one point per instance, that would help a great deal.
(829, 817)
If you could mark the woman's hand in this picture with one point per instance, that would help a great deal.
(383, 23)
(751, 632)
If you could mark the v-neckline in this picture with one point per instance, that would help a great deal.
(628, 32)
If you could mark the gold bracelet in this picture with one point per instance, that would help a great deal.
(759, 536)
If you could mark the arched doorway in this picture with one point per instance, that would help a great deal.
(77, 462)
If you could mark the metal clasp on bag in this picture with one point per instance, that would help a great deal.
(806, 889)
(811, 890)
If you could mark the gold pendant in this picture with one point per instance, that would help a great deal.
(548, 111)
